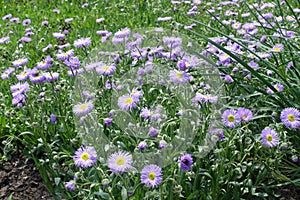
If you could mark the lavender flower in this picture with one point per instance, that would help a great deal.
(4, 40)
(82, 42)
(20, 62)
(85, 157)
(230, 118)
(120, 162)
(83, 108)
(186, 162)
(269, 137)
(58, 35)
(6, 74)
(70, 185)
(142, 145)
(290, 117)
(127, 102)
(180, 77)
(104, 69)
(53, 118)
(162, 144)
(24, 75)
(153, 132)
(108, 121)
(245, 114)
(277, 48)
(124, 33)
(26, 22)
(151, 175)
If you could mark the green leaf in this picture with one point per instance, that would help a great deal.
(124, 193)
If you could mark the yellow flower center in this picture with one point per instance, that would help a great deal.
(106, 68)
(82, 107)
(269, 137)
(276, 49)
(291, 117)
(129, 100)
(151, 176)
(24, 73)
(179, 75)
(85, 156)
(244, 116)
(231, 118)
(120, 161)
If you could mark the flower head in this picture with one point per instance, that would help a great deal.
(290, 117)
(120, 162)
(269, 137)
(82, 42)
(83, 108)
(107, 70)
(85, 157)
(186, 162)
(277, 48)
(127, 102)
(151, 175)
(245, 114)
(230, 118)
(20, 62)
(180, 77)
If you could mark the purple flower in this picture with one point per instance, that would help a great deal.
(205, 98)
(253, 65)
(230, 118)
(25, 39)
(85, 157)
(4, 40)
(15, 19)
(58, 35)
(24, 75)
(180, 77)
(151, 175)
(53, 118)
(120, 162)
(142, 145)
(65, 55)
(172, 42)
(73, 63)
(26, 22)
(277, 48)
(20, 62)
(218, 132)
(82, 42)
(269, 137)
(83, 108)
(37, 77)
(45, 23)
(123, 33)
(49, 46)
(290, 117)
(45, 64)
(108, 121)
(162, 144)
(70, 185)
(245, 114)
(56, 11)
(153, 132)
(186, 162)
(68, 20)
(6, 74)
(8, 16)
(50, 77)
(127, 102)
(278, 88)
(104, 69)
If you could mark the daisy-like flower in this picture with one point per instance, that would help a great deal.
(65, 55)
(4, 40)
(82, 42)
(120, 162)
(245, 114)
(6, 74)
(186, 162)
(151, 175)
(45, 64)
(290, 117)
(230, 118)
(123, 33)
(290, 18)
(85, 157)
(23, 75)
(58, 35)
(277, 48)
(269, 137)
(83, 108)
(20, 62)
(107, 70)
(172, 42)
(26, 22)
(180, 77)
(135, 93)
(127, 102)
(205, 98)
(73, 63)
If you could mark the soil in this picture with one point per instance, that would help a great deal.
(20, 179)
